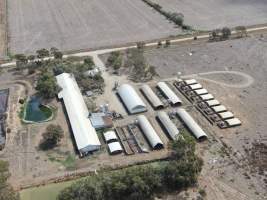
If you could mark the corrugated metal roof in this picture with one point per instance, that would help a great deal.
(83, 131)
(218, 109)
(110, 135)
(131, 99)
(168, 124)
(149, 132)
(171, 96)
(191, 124)
(213, 102)
(226, 115)
(233, 122)
(190, 81)
(201, 91)
(195, 86)
(151, 96)
(115, 147)
(206, 97)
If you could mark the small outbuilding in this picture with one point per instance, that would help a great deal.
(213, 102)
(201, 91)
(191, 124)
(151, 97)
(169, 94)
(207, 97)
(168, 125)
(190, 81)
(233, 122)
(131, 99)
(219, 109)
(110, 136)
(195, 86)
(226, 115)
(149, 132)
(115, 148)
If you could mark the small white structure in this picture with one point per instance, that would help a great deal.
(233, 122)
(169, 94)
(115, 148)
(213, 102)
(168, 125)
(152, 97)
(131, 99)
(191, 124)
(207, 97)
(149, 132)
(195, 86)
(83, 131)
(201, 91)
(190, 81)
(226, 115)
(219, 109)
(110, 136)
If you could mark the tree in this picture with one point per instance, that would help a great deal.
(167, 43)
(226, 33)
(115, 60)
(6, 191)
(42, 53)
(21, 60)
(31, 58)
(47, 86)
(51, 137)
(89, 62)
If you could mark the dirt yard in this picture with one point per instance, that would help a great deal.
(3, 26)
(230, 170)
(210, 14)
(75, 25)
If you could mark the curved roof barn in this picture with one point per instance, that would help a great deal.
(131, 99)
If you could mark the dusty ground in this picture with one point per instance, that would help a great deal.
(3, 26)
(244, 93)
(210, 14)
(74, 25)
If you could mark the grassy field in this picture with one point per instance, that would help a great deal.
(48, 192)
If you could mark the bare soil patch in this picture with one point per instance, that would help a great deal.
(210, 14)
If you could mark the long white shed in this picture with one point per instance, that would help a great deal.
(191, 124)
(168, 125)
(149, 132)
(152, 97)
(169, 94)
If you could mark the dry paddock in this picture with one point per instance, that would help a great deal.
(82, 24)
(211, 14)
(3, 26)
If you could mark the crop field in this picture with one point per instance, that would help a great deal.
(2, 28)
(81, 24)
(210, 14)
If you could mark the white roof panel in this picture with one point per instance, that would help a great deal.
(233, 122)
(114, 147)
(201, 91)
(213, 102)
(83, 131)
(195, 86)
(110, 135)
(190, 81)
(206, 97)
(171, 96)
(131, 99)
(219, 109)
(226, 115)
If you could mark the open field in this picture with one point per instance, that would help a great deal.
(242, 91)
(3, 27)
(210, 14)
(74, 25)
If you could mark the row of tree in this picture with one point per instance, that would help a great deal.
(142, 182)
(225, 33)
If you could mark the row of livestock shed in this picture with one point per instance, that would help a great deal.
(207, 104)
(135, 104)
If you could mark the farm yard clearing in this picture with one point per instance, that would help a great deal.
(235, 72)
(209, 14)
(76, 25)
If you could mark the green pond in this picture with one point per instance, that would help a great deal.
(36, 112)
